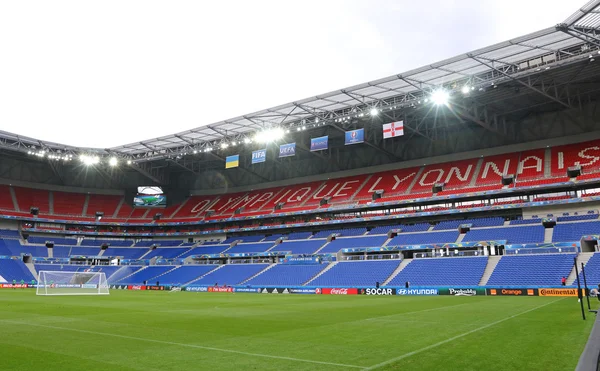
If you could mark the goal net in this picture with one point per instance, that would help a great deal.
(72, 283)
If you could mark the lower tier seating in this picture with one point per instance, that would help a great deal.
(442, 272)
(346, 274)
(287, 275)
(544, 270)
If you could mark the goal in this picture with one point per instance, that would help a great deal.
(72, 283)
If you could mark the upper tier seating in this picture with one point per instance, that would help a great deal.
(6, 202)
(352, 274)
(584, 154)
(286, 275)
(29, 197)
(103, 203)
(17, 249)
(68, 203)
(513, 235)
(205, 249)
(531, 270)
(342, 232)
(575, 218)
(442, 272)
(230, 274)
(14, 269)
(99, 242)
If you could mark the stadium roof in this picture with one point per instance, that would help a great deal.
(564, 44)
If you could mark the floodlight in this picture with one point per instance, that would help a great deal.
(89, 160)
(269, 135)
(224, 145)
(440, 97)
(128, 162)
(247, 140)
(374, 111)
(465, 89)
(113, 161)
(304, 128)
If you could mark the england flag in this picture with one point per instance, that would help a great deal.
(394, 129)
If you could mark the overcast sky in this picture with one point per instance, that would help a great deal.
(106, 73)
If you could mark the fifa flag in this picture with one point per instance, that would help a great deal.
(232, 161)
(394, 129)
(259, 156)
(355, 136)
(319, 144)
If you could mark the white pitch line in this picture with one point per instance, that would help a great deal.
(185, 345)
(393, 360)
(416, 311)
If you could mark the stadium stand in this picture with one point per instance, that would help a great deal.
(126, 253)
(480, 222)
(544, 270)
(230, 274)
(68, 203)
(345, 274)
(354, 242)
(286, 275)
(29, 197)
(13, 269)
(300, 246)
(592, 271)
(566, 232)
(145, 274)
(183, 274)
(423, 238)
(465, 271)
(514, 235)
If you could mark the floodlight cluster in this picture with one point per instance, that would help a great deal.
(269, 135)
(89, 160)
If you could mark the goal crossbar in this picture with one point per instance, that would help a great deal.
(72, 283)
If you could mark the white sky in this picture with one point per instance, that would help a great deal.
(106, 73)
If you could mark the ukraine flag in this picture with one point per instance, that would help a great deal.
(232, 161)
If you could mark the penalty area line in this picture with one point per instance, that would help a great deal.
(184, 345)
(406, 355)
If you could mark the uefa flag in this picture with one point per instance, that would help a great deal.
(394, 129)
(232, 161)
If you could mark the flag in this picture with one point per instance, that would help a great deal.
(393, 129)
(259, 156)
(319, 144)
(287, 150)
(232, 161)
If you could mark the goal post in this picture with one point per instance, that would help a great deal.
(71, 283)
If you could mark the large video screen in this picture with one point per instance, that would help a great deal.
(150, 196)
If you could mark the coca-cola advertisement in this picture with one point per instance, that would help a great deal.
(328, 291)
(136, 287)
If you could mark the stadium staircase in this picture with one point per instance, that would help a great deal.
(489, 268)
(162, 274)
(548, 233)
(205, 274)
(322, 247)
(31, 268)
(51, 202)
(146, 253)
(13, 197)
(125, 269)
(583, 257)
(101, 252)
(50, 253)
(118, 208)
(258, 274)
(360, 187)
(476, 172)
(414, 181)
(86, 203)
(386, 242)
(506, 223)
(431, 228)
(328, 267)
(403, 264)
(460, 237)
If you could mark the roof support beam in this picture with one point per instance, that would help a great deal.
(521, 82)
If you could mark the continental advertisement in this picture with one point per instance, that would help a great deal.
(557, 292)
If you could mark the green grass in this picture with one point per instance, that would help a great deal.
(203, 331)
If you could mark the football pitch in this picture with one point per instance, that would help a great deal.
(220, 331)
